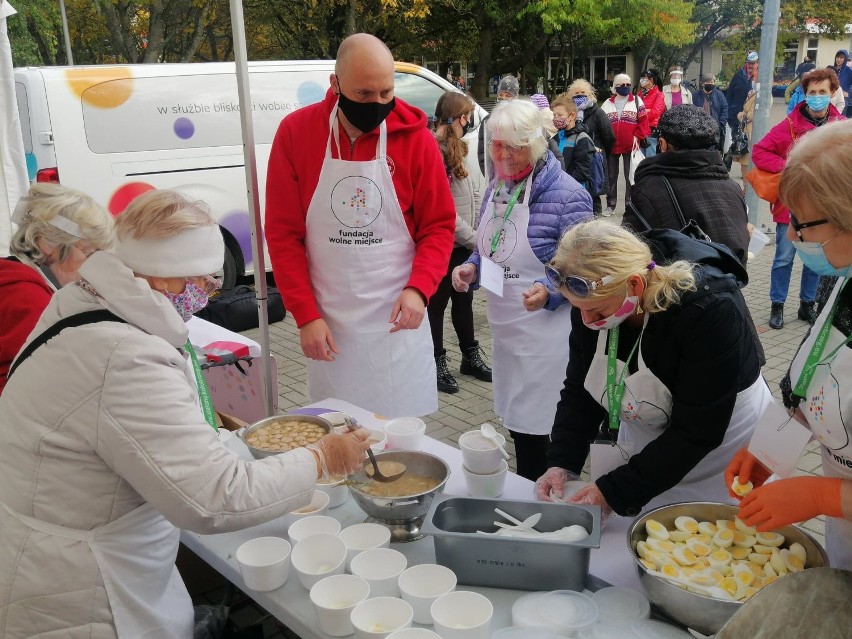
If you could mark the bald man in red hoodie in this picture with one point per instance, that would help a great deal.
(360, 224)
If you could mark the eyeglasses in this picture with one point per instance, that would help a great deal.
(209, 283)
(87, 252)
(798, 226)
(499, 146)
(576, 285)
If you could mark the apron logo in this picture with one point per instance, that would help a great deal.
(843, 461)
(508, 275)
(391, 164)
(506, 243)
(356, 202)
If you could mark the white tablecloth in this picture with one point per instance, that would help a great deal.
(291, 603)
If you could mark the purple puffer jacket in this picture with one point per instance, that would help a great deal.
(557, 202)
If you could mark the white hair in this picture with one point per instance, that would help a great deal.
(518, 123)
(39, 211)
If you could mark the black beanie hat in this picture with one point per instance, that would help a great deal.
(688, 127)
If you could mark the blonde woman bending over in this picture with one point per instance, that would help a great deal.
(663, 360)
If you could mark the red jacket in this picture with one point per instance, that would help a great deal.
(655, 105)
(25, 295)
(770, 154)
(421, 186)
(630, 125)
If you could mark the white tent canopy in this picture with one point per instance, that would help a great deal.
(13, 167)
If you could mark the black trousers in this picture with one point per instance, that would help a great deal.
(462, 310)
(530, 454)
(612, 170)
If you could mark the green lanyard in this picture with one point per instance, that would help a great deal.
(815, 356)
(495, 237)
(615, 389)
(203, 390)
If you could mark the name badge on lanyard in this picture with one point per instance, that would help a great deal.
(492, 275)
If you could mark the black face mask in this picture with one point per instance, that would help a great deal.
(364, 116)
(709, 87)
(467, 126)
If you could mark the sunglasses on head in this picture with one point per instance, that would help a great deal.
(576, 285)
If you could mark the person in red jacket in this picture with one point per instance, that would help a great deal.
(770, 154)
(629, 119)
(360, 226)
(58, 228)
(651, 92)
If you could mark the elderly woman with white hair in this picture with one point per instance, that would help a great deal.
(58, 228)
(98, 479)
(527, 207)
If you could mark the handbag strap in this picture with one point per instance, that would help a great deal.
(80, 319)
(635, 210)
(674, 201)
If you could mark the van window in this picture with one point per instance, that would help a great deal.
(24, 114)
(191, 111)
(417, 90)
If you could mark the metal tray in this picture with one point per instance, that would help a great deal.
(510, 562)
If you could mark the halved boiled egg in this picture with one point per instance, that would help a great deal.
(764, 550)
(720, 557)
(670, 570)
(684, 556)
(726, 523)
(741, 489)
(707, 528)
(656, 530)
(746, 541)
(686, 524)
(734, 587)
(698, 548)
(660, 545)
(771, 539)
(740, 552)
(744, 528)
(791, 561)
(743, 574)
(724, 538)
(799, 550)
(758, 558)
(679, 535)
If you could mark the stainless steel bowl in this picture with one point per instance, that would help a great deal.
(705, 614)
(405, 508)
(260, 453)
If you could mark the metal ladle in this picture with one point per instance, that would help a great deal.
(392, 470)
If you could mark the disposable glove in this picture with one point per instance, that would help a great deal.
(789, 501)
(463, 276)
(745, 466)
(591, 496)
(341, 453)
(553, 480)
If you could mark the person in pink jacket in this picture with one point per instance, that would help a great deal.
(770, 154)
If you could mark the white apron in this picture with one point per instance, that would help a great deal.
(136, 559)
(529, 350)
(360, 255)
(646, 410)
(828, 409)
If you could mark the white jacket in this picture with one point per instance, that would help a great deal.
(100, 420)
(685, 95)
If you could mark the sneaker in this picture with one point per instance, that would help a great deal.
(608, 211)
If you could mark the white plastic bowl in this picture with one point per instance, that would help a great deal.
(302, 528)
(264, 563)
(405, 433)
(422, 584)
(317, 557)
(377, 618)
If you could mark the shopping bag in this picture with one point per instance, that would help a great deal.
(764, 183)
(636, 156)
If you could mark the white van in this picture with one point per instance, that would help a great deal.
(115, 132)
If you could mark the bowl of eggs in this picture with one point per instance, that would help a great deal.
(283, 433)
(699, 563)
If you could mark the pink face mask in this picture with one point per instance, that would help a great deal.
(631, 303)
(192, 300)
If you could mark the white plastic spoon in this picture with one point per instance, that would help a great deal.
(527, 523)
(490, 433)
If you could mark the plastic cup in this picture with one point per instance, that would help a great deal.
(378, 617)
(334, 598)
(381, 568)
(318, 506)
(337, 491)
(490, 485)
(264, 563)
(422, 584)
(405, 433)
(302, 528)
(360, 537)
(462, 615)
(479, 454)
(378, 441)
(317, 557)
(758, 240)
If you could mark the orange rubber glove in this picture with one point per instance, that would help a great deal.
(790, 501)
(745, 466)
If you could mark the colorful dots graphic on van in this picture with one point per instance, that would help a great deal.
(102, 87)
(184, 128)
(125, 194)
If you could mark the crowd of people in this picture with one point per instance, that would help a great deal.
(634, 337)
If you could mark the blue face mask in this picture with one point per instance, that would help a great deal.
(818, 102)
(580, 101)
(813, 256)
(623, 90)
